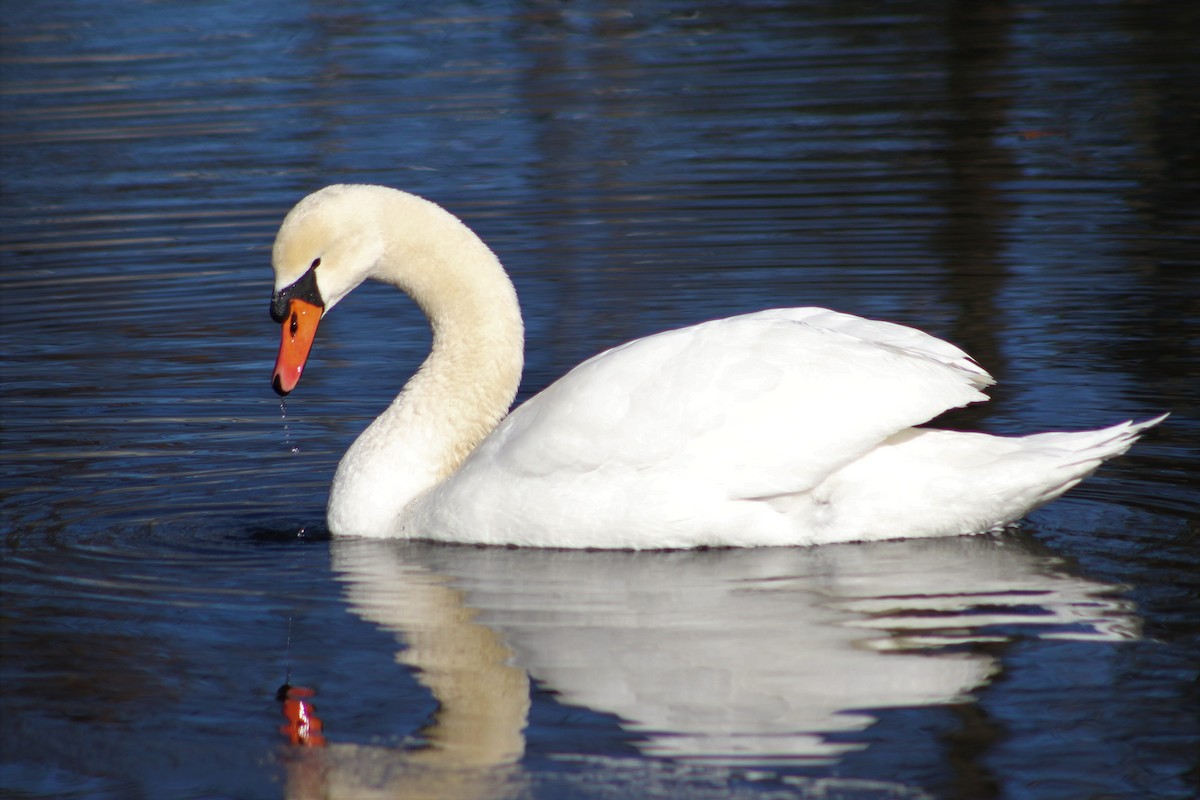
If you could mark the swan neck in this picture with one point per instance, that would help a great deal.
(463, 389)
(477, 352)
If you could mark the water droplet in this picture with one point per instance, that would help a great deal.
(287, 431)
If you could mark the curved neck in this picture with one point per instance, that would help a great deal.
(464, 387)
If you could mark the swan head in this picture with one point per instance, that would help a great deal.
(339, 236)
(328, 244)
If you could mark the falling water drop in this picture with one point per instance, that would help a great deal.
(287, 433)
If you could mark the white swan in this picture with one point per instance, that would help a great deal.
(784, 427)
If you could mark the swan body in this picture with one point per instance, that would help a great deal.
(790, 426)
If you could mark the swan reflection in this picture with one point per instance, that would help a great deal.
(726, 656)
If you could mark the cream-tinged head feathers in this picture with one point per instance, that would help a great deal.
(337, 230)
(352, 232)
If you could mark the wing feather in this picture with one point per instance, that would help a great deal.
(756, 405)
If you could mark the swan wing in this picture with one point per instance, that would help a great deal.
(756, 405)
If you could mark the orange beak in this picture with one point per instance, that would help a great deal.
(299, 329)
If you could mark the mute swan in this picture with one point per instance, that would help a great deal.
(791, 426)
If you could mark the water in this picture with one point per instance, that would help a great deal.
(1019, 179)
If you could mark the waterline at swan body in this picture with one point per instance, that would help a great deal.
(784, 427)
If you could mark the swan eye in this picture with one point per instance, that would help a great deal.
(316, 263)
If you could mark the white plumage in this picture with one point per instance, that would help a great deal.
(783, 427)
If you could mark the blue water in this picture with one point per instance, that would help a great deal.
(1019, 179)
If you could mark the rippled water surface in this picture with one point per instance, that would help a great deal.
(1021, 179)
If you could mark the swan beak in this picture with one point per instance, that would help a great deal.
(298, 330)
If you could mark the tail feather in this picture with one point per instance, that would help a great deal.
(928, 482)
(1091, 446)
(1076, 455)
